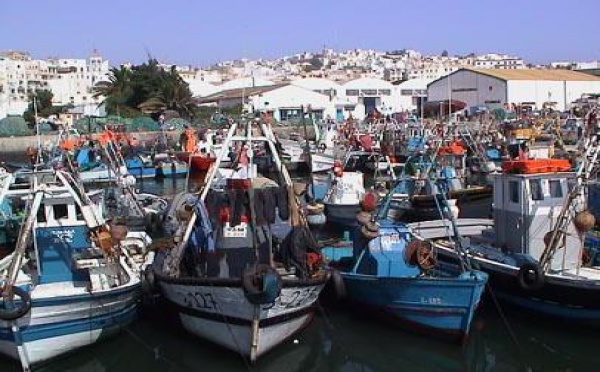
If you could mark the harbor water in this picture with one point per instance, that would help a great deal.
(342, 339)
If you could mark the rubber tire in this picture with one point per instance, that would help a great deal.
(148, 280)
(339, 287)
(523, 276)
(5, 314)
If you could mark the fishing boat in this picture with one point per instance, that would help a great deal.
(72, 277)
(534, 247)
(344, 196)
(242, 272)
(199, 156)
(418, 198)
(142, 166)
(396, 276)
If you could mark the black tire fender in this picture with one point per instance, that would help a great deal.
(531, 276)
(16, 313)
(339, 288)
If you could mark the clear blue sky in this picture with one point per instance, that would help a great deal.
(200, 32)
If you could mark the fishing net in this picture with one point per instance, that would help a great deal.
(14, 126)
(176, 123)
(142, 124)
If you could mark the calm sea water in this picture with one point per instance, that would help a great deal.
(345, 341)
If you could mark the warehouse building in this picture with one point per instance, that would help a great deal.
(495, 88)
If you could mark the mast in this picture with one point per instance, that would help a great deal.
(39, 158)
(309, 154)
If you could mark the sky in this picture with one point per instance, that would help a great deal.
(203, 32)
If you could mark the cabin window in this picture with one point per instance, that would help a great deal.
(514, 191)
(60, 211)
(78, 212)
(555, 189)
(536, 189)
(41, 213)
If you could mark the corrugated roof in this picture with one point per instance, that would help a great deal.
(238, 93)
(537, 74)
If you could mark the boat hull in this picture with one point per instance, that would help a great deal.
(443, 306)
(563, 297)
(197, 163)
(217, 310)
(342, 214)
(58, 325)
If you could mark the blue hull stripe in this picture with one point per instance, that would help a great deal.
(45, 331)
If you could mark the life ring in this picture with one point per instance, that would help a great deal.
(261, 284)
(425, 256)
(16, 312)
(531, 276)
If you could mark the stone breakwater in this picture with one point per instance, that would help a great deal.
(17, 145)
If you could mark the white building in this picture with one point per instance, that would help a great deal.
(412, 93)
(500, 61)
(530, 87)
(245, 82)
(320, 85)
(283, 102)
(361, 96)
(70, 80)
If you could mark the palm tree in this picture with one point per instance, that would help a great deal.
(116, 91)
(176, 94)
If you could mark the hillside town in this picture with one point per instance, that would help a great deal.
(335, 84)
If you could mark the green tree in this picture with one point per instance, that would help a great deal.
(146, 88)
(117, 91)
(43, 100)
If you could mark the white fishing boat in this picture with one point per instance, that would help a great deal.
(534, 247)
(72, 278)
(242, 273)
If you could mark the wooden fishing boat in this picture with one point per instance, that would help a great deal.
(242, 272)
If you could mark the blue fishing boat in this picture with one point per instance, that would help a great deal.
(396, 276)
(141, 166)
(72, 278)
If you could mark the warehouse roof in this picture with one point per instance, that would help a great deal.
(537, 74)
(238, 93)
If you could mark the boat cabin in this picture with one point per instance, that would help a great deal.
(526, 207)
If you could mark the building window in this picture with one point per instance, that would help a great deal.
(369, 92)
(385, 92)
(464, 90)
(535, 186)
(352, 92)
(490, 88)
(514, 191)
(289, 114)
(555, 189)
